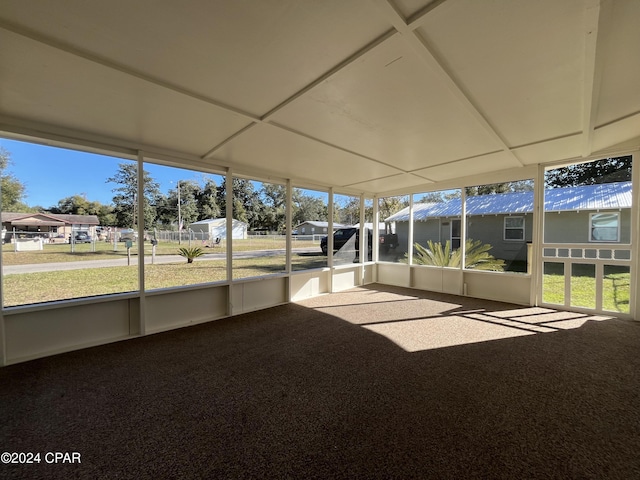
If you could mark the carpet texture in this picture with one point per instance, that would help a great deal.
(376, 382)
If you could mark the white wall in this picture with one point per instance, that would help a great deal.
(32, 333)
(505, 287)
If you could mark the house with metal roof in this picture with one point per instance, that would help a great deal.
(592, 213)
(312, 227)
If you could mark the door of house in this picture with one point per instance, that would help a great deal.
(450, 231)
(455, 234)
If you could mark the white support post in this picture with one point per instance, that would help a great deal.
(140, 207)
(463, 236)
(410, 246)
(536, 267)
(288, 225)
(3, 340)
(376, 229)
(634, 299)
(288, 236)
(330, 240)
(363, 247)
(229, 218)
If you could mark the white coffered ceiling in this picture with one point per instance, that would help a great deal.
(363, 95)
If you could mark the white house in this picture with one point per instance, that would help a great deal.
(217, 228)
(315, 228)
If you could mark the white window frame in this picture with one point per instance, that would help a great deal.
(591, 227)
(505, 228)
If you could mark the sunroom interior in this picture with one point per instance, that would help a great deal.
(367, 100)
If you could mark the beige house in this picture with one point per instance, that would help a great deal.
(52, 227)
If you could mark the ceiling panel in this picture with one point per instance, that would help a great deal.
(83, 95)
(520, 62)
(411, 7)
(248, 54)
(472, 166)
(390, 184)
(615, 133)
(551, 150)
(265, 148)
(391, 107)
(620, 91)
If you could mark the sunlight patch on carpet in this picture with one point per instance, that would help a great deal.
(427, 334)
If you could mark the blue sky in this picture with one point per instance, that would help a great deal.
(51, 174)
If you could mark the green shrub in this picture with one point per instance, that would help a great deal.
(477, 256)
(191, 252)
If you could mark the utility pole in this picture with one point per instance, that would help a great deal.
(133, 219)
(179, 217)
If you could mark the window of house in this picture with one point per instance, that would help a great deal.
(604, 227)
(496, 217)
(514, 228)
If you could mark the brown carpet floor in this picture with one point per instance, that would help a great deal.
(374, 383)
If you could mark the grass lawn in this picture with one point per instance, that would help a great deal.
(29, 288)
(615, 289)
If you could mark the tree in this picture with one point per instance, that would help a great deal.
(274, 201)
(166, 211)
(432, 197)
(187, 198)
(207, 203)
(507, 187)
(308, 208)
(608, 170)
(246, 201)
(125, 200)
(106, 215)
(79, 205)
(13, 190)
(347, 212)
(390, 205)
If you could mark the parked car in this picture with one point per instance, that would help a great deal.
(342, 235)
(82, 237)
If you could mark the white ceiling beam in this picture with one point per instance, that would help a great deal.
(426, 54)
(214, 149)
(596, 33)
(418, 19)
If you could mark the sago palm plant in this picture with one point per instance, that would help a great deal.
(191, 252)
(477, 256)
